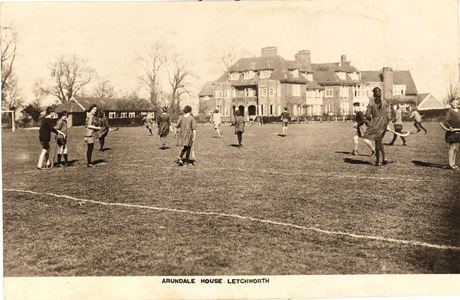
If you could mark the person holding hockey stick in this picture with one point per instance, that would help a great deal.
(61, 140)
(46, 127)
(452, 137)
(360, 120)
(398, 125)
(377, 114)
(216, 120)
(92, 128)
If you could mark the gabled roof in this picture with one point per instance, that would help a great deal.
(335, 67)
(206, 90)
(331, 78)
(429, 102)
(399, 77)
(313, 85)
(81, 104)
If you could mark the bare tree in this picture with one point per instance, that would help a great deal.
(104, 89)
(229, 57)
(10, 90)
(452, 92)
(179, 81)
(68, 75)
(152, 64)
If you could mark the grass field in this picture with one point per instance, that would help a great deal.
(301, 204)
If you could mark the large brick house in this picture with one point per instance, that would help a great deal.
(263, 85)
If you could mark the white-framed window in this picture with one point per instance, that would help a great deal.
(250, 92)
(123, 115)
(359, 91)
(131, 114)
(265, 74)
(112, 115)
(248, 74)
(399, 89)
(329, 93)
(234, 76)
(354, 75)
(294, 73)
(341, 75)
(344, 108)
(206, 98)
(296, 90)
(344, 91)
(308, 76)
(218, 94)
(311, 93)
(271, 91)
(226, 93)
(263, 92)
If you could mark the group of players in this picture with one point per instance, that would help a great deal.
(370, 126)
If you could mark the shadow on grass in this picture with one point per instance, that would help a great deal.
(281, 134)
(165, 148)
(99, 161)
(235, 145)
(106, 149)
(419, 163)
(350, 153)
(356, 161)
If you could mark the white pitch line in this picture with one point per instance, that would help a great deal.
(235, 216)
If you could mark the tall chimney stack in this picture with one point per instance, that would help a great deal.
(303, 58)
(269, 51)
(387, 83)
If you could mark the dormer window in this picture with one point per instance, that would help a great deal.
(399, 90)
(308, 76)
(341, 75)
(294, 73)
(249, 74)
(234, 76)
(265, 74)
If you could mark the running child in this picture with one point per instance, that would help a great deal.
(149, 123)
(377, 114)
(104, 124)
(216, 120)
(398, 124)
(239, 127)
(360, 120)
(417, 120)
(187, 126)
(164, 124)
(452, 120)
(46, 127)
(61, 140)
(285, 117)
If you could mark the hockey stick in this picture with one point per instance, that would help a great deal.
(398, 133)
(450, 129)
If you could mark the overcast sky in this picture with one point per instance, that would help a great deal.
(421, 36)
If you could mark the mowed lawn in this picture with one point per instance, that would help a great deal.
(299, 185)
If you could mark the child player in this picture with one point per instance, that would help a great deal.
(46, 127)
(216, 121)
(360, 120)
(417, 120)
(398, 124)
(61, 140)
(239, 127)
(452, 120)
(164, 124)
(285, 117)
(187, 125)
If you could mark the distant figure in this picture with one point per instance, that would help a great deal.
(187, 126)
(104, 124)
(216, 120)
(149, 123)
(46, 127)
(417, 120)
(164, 124)
(61, 140)
(239, 127)
(452, 120)
(377, 114)
(92, 128)
(398, 124)
(285, 117)
(360, 120)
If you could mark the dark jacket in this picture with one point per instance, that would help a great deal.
(46, 127)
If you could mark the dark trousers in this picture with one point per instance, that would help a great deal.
(419, 126)
(89, 152)
(240, 137)
(398, 129)
(186, 150)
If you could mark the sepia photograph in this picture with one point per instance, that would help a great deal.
(232, 144)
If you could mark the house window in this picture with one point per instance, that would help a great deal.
(344, 91)
(218, 94)
(249, 74)
(399, 89)
(132, 115)
(309, 76)
(123, 115)
(344, 108)
(271, 92)
(310, 93)
(234, 76)
(295, 73)
(226, 93)
(271, 110)
(295, 90)
(329, 93)
(111, 115)
(265, 74)
(341, 75)
(250, 92)
(263, 92)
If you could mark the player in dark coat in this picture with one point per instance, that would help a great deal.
(377, 114)
(46, 127)
(452, 120)
(164, 125)
(360, 121)
(239, 127)
(104, 124)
